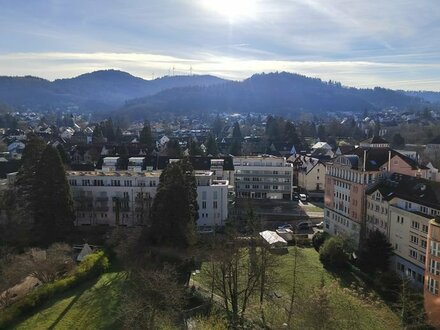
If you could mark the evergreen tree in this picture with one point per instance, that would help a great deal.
(173, 149)
(235, 148)
(97, 135)
(322, 135)
(118, 135)
(211, 146)
(272, 129)
(146, 137)
(26, 176)
(217, 126)
(290, 136)
(108, 130)
(236, 132)
(63, 155)
(376, 253)
(398, 140)
(175, 209)
(54, 213)
(194, 149)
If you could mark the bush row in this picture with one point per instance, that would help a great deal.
(92, 265)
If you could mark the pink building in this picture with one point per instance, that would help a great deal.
(348, 177)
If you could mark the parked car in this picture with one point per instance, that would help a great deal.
(286, 226)
(304, 225)
(303, 197)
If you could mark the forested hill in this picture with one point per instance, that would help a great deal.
(278, 93)
(99, 90)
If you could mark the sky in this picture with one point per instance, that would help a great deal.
(365, 43)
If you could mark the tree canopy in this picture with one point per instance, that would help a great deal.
(53, 207)
(175, 209)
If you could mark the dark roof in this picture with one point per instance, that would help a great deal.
(377, 157)
(410, 188)
(375, 140)
(436, 140)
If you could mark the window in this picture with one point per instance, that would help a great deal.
(215, 195)
(400, 267)
(434, 267)
(412, 254)
(434, 249)
(214, 204)
(204, 195)
(414, 239)
(423, 243)
(204, 205)
(408, 205)
(432, 286)
(425, 228)
(415, 225)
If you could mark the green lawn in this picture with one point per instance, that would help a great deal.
(352, 306)
(92, 305)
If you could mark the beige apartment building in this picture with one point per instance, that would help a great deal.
(401, 207)
(310, 173)
(431, 293)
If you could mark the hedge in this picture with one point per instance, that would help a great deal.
(92, 266)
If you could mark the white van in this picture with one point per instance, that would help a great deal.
(303, 197)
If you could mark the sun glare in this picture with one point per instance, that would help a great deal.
(234, 10)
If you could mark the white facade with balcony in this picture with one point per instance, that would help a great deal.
(263, 177)
(124, 198)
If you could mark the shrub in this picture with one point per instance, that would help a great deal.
(332, 253)
(318, 239)
(302, 241)
(92, 265)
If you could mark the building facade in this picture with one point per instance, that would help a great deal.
(432, 274)
(263, 177)
(124, 198)
(310, 173)
(349, 176)
(401, 207)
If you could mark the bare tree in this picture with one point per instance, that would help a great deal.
(293, 293)
(150, 295)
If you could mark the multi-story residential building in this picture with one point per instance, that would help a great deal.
(310, 173)
(124, 198)
(401, 207)
(261, 177)
(432, 274)
(349, 175)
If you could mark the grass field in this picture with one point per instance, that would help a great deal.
(352, 306)
(92, 305)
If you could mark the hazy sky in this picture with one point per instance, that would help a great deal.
(391, 43)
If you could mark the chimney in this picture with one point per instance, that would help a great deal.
(389, 160)
(365, 158)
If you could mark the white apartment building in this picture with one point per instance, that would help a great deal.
(261, 177)
(124, 198)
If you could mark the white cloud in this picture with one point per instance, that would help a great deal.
(360, 73)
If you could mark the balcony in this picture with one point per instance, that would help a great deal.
(101, 208)
(101, 198)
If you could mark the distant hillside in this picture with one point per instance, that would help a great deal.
(278, 93)
(91, 91)
(433, 97)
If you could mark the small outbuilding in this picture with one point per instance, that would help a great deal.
(273, 239)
